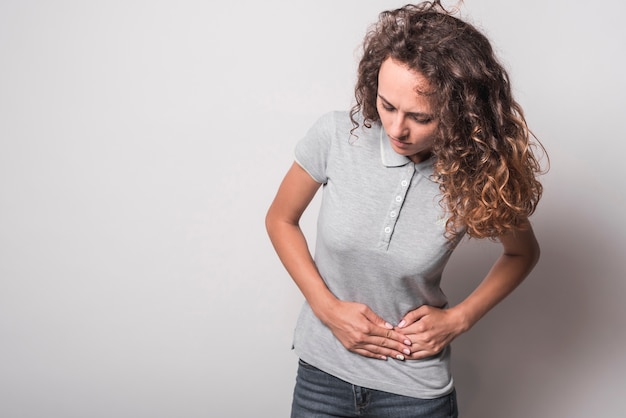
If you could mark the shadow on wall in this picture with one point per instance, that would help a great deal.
(550, 348)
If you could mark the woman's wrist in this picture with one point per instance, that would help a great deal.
(464, 319)
(323, 305)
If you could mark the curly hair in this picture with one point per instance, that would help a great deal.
(483, 152)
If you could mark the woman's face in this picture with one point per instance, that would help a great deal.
(406, 115)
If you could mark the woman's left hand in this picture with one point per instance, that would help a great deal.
(430, 330)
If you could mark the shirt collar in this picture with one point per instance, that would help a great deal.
(390, 158)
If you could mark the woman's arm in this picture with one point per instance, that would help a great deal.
(431, 329)
(358, 328)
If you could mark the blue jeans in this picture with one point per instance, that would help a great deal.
(320, 395)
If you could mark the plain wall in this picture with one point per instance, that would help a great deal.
(141, 143)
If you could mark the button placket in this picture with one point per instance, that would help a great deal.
(396, 204)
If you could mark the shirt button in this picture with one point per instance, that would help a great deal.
(404, 183)
(387, 230)
(393, 214)
(398, 199)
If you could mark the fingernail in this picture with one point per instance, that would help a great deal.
(400, 357)
(388, 325)
(383, 357)
(407, 342)
(402, 323)
(406, 351)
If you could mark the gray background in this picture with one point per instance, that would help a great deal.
(141, 143)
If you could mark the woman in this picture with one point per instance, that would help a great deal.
(434, 149)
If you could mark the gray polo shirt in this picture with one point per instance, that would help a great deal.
(380, 241)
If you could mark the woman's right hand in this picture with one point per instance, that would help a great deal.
(363, 332)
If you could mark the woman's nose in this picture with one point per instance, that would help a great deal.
(398, 128)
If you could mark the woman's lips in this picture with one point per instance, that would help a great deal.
(399, 144)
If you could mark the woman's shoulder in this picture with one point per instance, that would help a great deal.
(342, 123)
(335, 118)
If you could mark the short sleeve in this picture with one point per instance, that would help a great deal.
(312, 151)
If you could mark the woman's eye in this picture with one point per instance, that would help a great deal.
(388, 108)
(423, 121)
